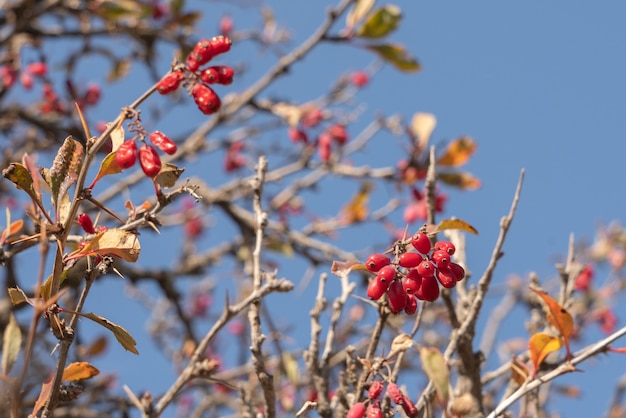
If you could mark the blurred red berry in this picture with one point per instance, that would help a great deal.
(356, 411)
(38, 69)
(8, 75)
(226, 25)
(583, 280)
(359, 78)
(26, 80)
(297, 135)
(375, 389)
(312, 117)
(411, 305)
(86, 223)
(338, 132)
(92, 95)
(376, 289)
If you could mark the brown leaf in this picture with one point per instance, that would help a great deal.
(12, 229)
(343, 268)
(458, 152)
(559, 318)
(95, 348)
(455, 224)
(18, 296)
(519, 371)
(464, 181)
(436, 368)
(169, 175)
(46, 388)
(400, 344)
(113, 241)
(540, 345)
(79, 371)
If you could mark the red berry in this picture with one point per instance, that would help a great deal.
(387, 273)
(86, 223)
(170, 82)
(376, 388)
(207, 101)
(226, 25)
(38, 69)
(446, 246)
(210, 75)
(324, 146)
(446, 277)
(459, 272)
(409, 407)
(312, 117)
(92, 95)
(221, 44)
(224, 74)
(374, 411)
(356, 411)
(411, 305)
(192, 63)
(338, 132)
(426, 269)
(126, 154)
(376, 289)
(27, 80)
(440, 258)
(410, 260)
(429, 290)
(583, 280)
(397, 297)
(376, 261)
(297, 135)
(395, 393)
(421, 242)
(412, 281)
(359, 78)
(149, 160)
(202, 53)
(163, 142)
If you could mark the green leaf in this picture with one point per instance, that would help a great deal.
(11, 344)
(121, 335)
(169, 175)
(381, 22)
(360, 9)
(396, 55)
(436, 368)
(21, 177)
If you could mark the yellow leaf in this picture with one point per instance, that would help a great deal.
(117, 137)
(113, 241)
(360, 9)
(540, 345)
(458, 152)
(558, 317)
(381, 22)
(436, 368)
(356, 210)
(121, 335)
(291, 368)
(464, 181)
(79, 371)
(454, 224)
(397, 55)
(423, 125)
(18, 296)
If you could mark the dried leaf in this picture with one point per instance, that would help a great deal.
(423, 125)
(458, 152)
(381, 22)
(540, 345)
(46, 388)
(356, 210)
(559, 318)
(34, 174)
(80, 370)
(95, 348)
(12, 229)
(400, 344)
(343, 268)
(119, 70)
(108, 166)
(169, 175)
(113, 241)
(360, 9)
(21, 177)
(117, 137)
(18, 296)
(11, 345)
(64, 172)
(464, 181)
(519, 371)
(397, 55)
(436, 368)
(289, 113)
(454, 224)
(121, 335)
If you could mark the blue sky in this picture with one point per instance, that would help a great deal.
(539, 86)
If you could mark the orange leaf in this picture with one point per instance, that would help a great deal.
(519, 371)
(343, 268)
(95, 348)
(356, 210)
(113, 241)
(458, 152)
(559, 318)
(46, 387)
(464, 181)
(454, 224)
(79, 371)
(540, 345)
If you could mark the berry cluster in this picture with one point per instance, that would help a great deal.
(149, 159)
(413, 275)
(336, 133)
(200, 78)
(373, 409)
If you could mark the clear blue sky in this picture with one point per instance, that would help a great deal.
(539, 85)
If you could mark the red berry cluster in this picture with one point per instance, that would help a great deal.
(149, 160)
(336, 133)
(414, 275)
(204, 51)
(373, 409)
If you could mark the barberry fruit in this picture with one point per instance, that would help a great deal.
(126, 154)
(421, 242)
(201, 53)
(410, 260)
(210, 75)
(170, 82)
(206, 99)
(426, 268)
(429, 290)
(359, 78)
(376, 261)
(387, 273)
(324, 146)
(27, 80)
(446, 277)
(221, 44)
(92, 95)
(297, 135)
(149, 160)
(459, 272)
(446, 246)
(312, 117)
(375, 389)
(226, 25)
(376, 289)
(395, 393)
(338, 132)
(163, 142)
(374, 411)
(225, 74)
(38, 69)
(397, 297)
(86, 223)
(411, 305)
(440, 258)
(411, 281)
(409, 407)
(356, 411)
